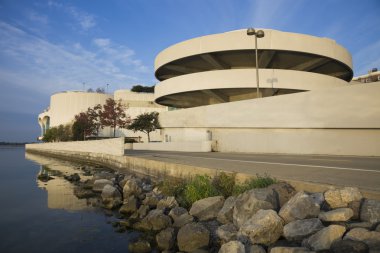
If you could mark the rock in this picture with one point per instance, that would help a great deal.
(377, 228)
(364, 224)
(345, 246)
(168, 202)
(140, 246)
(192, 236)
(151, 200)
(249, 202)
(254, 249)
(131, 187)
(165, 239)
(180, 216)
(208, 208)
(290, 250)
(100, 183)
(212, 226)
(129, 206)
(265, 227)
(143, 211)
(82, 193)
(111, 197)
(72, 178)
(155, 220)
(300, 229)
(284, 192)
(44, 177)
(323, 239)
(300, 206)
(225, 214)
(370, 211)
(371, 238)
(341, 197)
(232, 247)
(355, 206)
(340, 214)
(318, 198)
(104, 175)
(226, 233)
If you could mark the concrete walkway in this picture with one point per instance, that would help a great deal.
(361, 172)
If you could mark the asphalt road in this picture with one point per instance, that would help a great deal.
(362, 172)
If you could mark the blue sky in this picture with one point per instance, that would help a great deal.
(51, 46)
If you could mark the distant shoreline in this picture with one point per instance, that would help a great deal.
(13, 143)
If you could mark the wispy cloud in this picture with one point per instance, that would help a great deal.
(29, 61)
(36, 17)
(85, 20)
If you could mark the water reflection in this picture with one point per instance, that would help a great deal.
(59, 191)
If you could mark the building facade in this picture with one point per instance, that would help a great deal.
(65, 105)
(305, 105)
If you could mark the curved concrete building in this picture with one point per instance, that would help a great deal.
(65, 105)
(219, 68)
(306, 104)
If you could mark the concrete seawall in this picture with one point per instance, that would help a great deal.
(160, 169)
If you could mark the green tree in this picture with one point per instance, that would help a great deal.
(60, 133)
(113, 115)
(81, 127)
(146, 122)
(139, 88)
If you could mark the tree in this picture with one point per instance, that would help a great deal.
(81, 127)
(100, 90)
(60, 133)
(113, 115)
(94, 118)
(146, 123)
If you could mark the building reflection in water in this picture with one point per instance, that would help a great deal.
(59, 191)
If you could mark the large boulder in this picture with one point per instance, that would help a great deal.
(264, 227)
(129, 206)
(290, 250)
(226, 233)
(225, 214)
(323, 239)
(284, 192)
(300, 206)
(180, 216)
(100, 183)
(131, 187)
(104, 175)
(249, 202)
(156, 220)
(168, 202)
(139, 246)
(192, 236)
(165, 239)
(111, 197)
(208, 208)
(371, 238)
(341, 197)
(151, 199)
(349, 246)
(232, 247)
(300, 229)
(370, 211)
(340, 214)
(254, 249)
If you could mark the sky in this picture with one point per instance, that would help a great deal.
(51, 46)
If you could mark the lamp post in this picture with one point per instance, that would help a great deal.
(257, 34)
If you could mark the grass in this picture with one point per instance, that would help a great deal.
(203, 186)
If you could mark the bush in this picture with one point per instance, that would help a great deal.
(224, 183)
(252, 183)
(199, 187)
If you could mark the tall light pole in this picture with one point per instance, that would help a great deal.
(257, 34)
(107, 88)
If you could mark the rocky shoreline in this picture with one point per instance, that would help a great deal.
(274, 219)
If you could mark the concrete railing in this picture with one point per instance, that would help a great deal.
(188, 146)
(113, 146)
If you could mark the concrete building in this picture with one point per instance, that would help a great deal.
(305, 105)
(65, 105)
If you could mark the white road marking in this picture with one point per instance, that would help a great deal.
(286, 164)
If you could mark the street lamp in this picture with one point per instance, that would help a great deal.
(258, 34)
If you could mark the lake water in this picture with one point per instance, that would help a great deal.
(47, 217)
